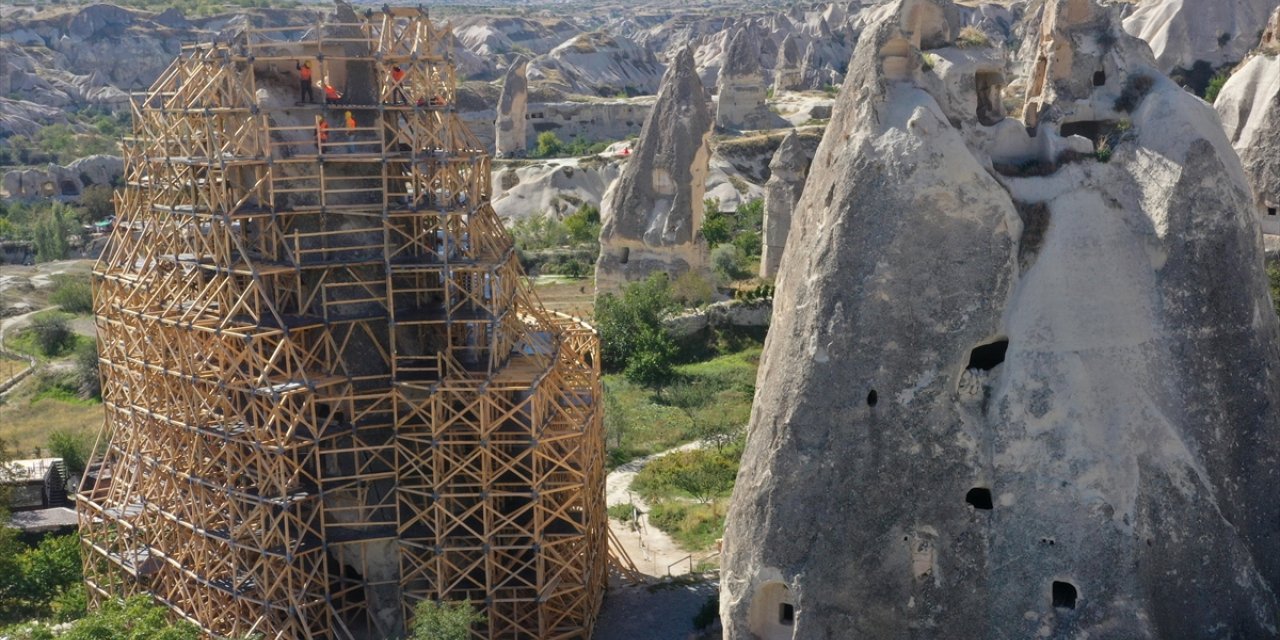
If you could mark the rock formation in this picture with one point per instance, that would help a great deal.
(1183, 32)
(509, 131)
(787, 74)
(741, 103)
(1011, 389)
(66, 182)
(1249, 104)
(652, 214)
(598, 64)
(787, 172)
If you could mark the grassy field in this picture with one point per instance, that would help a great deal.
(574, 296)
(33, 411)
(10, 367)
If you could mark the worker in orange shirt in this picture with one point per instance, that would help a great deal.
(304, 82)
(351, 131)
(331, 95)
(397, 88)
(322, 133)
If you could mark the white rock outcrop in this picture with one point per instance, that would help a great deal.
(1182, 32)
(787, 173)
(741, 91)
(1013, 399)
(652, 214)
(1249, 104)
(509, 129)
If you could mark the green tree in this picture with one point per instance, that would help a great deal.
(726, 262)
(73, 447)
(87, 372)
(716, 226)
(1215, 86)
(52, 333)
(549, 145)
(98, 202)
(444, 620)
(50, 237)
(137, 618)
(583, 225)
(74, 295)
(631, 323)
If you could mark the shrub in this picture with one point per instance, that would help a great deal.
(444, 620)
(98, 202)
(549, 145)
(625, 512)
(726, 262)
(137, 618)
(716, 226)
(88, 377)
(691, 289)
(50, 234)
(1273, 275)
(73, 447)
(539, 231)
(1215, 86)
(633, 320)
(654, 356)
(74, 295)
(972, 36)
(583, 225)
(699, 473)
(53, 335)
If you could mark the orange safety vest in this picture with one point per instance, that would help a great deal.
(305, 73)
(331, 93)
(322, 130)
(351, 122)
(397, 74)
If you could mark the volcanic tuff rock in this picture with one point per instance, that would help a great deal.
(787, 173)
(741, 101)
(1012, 390)
(652, 214)
(68, 181)
(1249, 104)
(1182, 32)
(509, 130)
(598, 64)
(787, 74)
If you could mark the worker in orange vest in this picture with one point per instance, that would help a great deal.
(351, 132)
(331, 95)
(304, 82)
(397, 88)
(322, 133)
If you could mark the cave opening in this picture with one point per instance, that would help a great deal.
(989, 86)
(1271, 211)
(786, 614)
(1064, 595)
(1099, 78)
(872, 398)
(979, 498)
(626, 255)
(988, 356)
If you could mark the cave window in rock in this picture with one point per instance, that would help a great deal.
(989, 86)
(771, 615)
(872, 398)
(1271, 211)
(980, 498)
(1064, 595)
(1099, 78)
(625, 255)
(1091, 129)
(68, 188)
(988, 356)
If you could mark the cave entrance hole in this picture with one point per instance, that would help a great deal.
(980, 498)
(1064, 595)
(988, 356)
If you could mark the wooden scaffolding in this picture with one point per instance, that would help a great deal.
(330, 392)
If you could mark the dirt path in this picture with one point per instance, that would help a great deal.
(651, 549)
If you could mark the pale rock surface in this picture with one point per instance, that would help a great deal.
(553, 187)
(1182, 32)
(787, 173)
(509, 129)
(740, 102)
(1249, 105)
(652, 214)
(598, 64)
(1034, 405)
(60, 181)
(787, 74)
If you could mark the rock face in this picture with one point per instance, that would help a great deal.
(787, 173)
(1182, 32)
(787, 74)
(652, 214)
(1029, 402)
(741, 103)
(509, 131)
(66, 182)
(1249, 104)
(598, 64)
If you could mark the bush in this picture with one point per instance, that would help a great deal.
(652, 361)
(1215, 86)
(631, 322)
(726, 262)
(53, 335)
(137, 618)
(74, 295)
(1273, 275)
(98, 202)
(37, 577)
(692, 290)
(972, 36)
(549, 145)
(716, 226)
(50, 234)
(444, 620)
(539, 231)
(625, 512)
(583, 225)
(701, 474)
(694, 526)
(73, 447)
(88, 377)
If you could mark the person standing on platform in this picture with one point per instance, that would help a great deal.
(322, 134)
(351, 132)
(304, 82)
(397, 86)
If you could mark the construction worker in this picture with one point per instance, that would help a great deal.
(331, 95)
(304, 82)
(351, 131)
(397, 89)
(322, 133)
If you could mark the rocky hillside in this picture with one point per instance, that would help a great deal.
(1014, 386)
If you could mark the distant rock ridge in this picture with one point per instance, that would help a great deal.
(787, 172)
(1015, 386)
(652, 214)
(1183, 32)
(787, 74)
